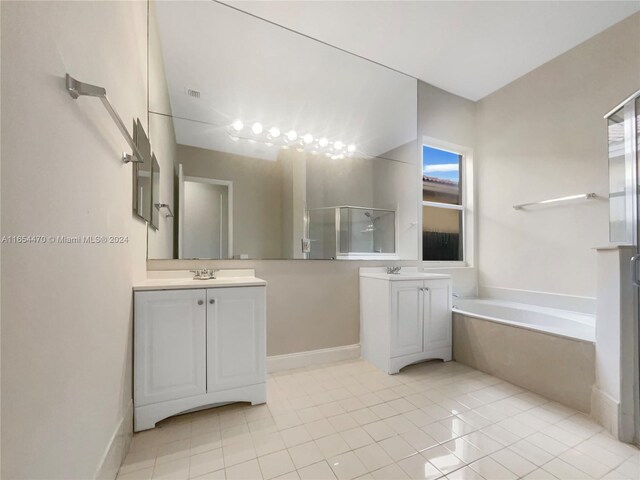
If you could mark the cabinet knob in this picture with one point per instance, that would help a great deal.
(200, 302)
(212, 301)
(426, 289)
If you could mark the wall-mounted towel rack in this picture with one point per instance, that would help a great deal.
(582, 196)
(165, 205)
(78, 89)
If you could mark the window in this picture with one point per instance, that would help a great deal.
(442, 205)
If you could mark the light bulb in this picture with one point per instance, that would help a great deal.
(292, 135)
(274, 132)
(338, 145)
(237, 125)
(351, 148)
(323, 142)
(308, 138)
(256, 128)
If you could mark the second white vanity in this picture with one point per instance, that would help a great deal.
(197, 343)
(405, 317)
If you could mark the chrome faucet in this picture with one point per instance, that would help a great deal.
(393, 270)
(204, 274)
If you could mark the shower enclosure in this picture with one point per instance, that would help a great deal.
(349, 233)
(623, 128)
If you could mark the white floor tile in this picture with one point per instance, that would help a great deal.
(349, 420)
(356, 438)
(490, 469)
(347, 466)
(244, 471)
(305, 454)
(206, 462)
(397, 448)
(317, 471)
(373, 457)
(332, 445)
(276, 464)
(418, 467)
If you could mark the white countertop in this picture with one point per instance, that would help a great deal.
(182, 279)
(406, 273)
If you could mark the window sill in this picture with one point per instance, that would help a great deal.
(432, 265)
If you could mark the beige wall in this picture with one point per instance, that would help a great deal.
(543, 136)
(66, 309)
(257, 197)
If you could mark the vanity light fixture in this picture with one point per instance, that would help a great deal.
(274, 132)
(292, 135)
(256, 128)
(273, 136)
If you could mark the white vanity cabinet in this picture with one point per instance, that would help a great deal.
(195, 347)
(404, 318)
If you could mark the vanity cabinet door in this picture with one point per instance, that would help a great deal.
(169, 345)
(437, 314)
(236, 337)
(406, 317)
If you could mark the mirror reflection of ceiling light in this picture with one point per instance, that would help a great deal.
(292, 135)
(274, 137)
(274, 132)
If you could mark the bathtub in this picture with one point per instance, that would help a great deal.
(550, 320)
(548, 351)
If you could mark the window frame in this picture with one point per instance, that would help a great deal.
(466, 206)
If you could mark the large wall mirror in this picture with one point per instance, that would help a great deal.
(276, 146)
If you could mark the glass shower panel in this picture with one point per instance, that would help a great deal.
(618, 204)
(322, 233)
(365, 230)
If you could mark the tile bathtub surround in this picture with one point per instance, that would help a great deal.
(562, 369)
(348, 420)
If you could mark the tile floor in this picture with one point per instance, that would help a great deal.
(349, 420)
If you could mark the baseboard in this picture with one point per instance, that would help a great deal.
(289, 361)
(606, 411)
(117, 448)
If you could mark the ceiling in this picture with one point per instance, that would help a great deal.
(469, 48)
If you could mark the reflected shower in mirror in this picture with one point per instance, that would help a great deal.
(256, 127)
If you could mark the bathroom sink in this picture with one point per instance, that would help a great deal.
(184, 279)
